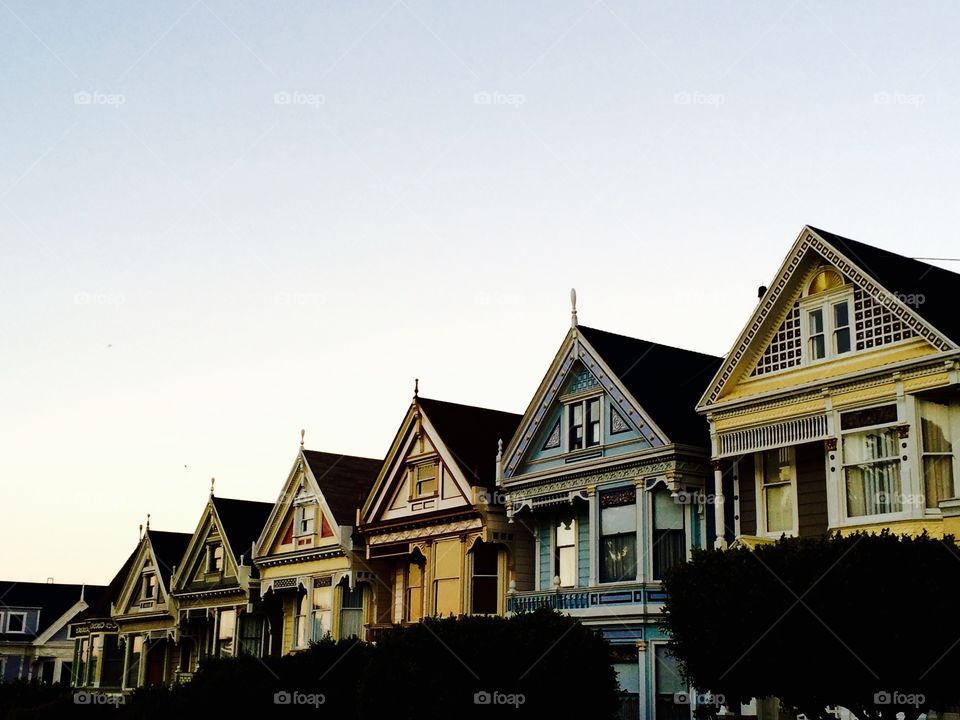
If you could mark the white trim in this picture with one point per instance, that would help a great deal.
(10, 614)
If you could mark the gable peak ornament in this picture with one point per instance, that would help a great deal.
(416, 388)
(573, 307)
(302, 433)
(212, 481)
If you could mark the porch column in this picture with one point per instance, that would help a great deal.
(642, 662)
(718, 504)
(593, 518)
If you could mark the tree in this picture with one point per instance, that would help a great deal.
(866, 621)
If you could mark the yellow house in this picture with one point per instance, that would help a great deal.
(838, 407)
(435, 525)
(313, 577)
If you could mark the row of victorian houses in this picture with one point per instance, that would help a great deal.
(837, 408)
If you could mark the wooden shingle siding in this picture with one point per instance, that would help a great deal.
(748, 496)
(811, 489)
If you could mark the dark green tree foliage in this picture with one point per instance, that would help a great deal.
(526, 666)
(867, 622)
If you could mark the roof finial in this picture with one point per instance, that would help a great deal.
(140, 532)
(302, 433)
(212, 481)
(573, 307)
(416, 387)
(148, 521)
(500, 449)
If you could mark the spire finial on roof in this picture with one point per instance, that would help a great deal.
(140, 532)
(302, 433)
(500, 449)
(212, 481)
(573, 307)
(148, 521)
(416, 387)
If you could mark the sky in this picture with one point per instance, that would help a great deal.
(223, 222)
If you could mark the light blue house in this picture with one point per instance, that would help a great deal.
(607, 470)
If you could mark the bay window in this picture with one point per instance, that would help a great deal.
(618, 535)
(669, 546)
(936, 450)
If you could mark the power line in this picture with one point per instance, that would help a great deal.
(939, 259)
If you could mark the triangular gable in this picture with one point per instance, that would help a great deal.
(416, 452)
(770, 340)
(58, 624)
(301, 489)
(578, 368)
(209, 533)
(145, 560)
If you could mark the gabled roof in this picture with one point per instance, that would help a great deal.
(100, 608)
(344, 481)
(887, 278)
(53, 599)
(666, 381)
(242, 522)
(471, 435)
(168, 550)
(906, 276)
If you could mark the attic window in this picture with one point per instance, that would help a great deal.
(16, 622)
(583, 424)
(149, 591)
(215, 558)
(425, 480)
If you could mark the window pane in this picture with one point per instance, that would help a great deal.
(937, 478)
(866, 447)
(777, 466)
(575, 415)
(446, 554)
(935, 427)
(618, 558)
(669, 549)
(567, 566)
(484, 558)
(816, 322)
(840, 315)
(842, 339)
(667, 674)
(484, 600)
(817, 347)
(446, 599)
(667, 514)
(779, 507)
(873, 489)
(622, 518)
(593, 422)
(565, 532)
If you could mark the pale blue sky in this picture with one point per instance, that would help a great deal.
(193, 269)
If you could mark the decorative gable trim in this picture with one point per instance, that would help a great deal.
(750, 345)
(558, 383)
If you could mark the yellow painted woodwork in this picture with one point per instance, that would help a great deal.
(933, 526)
(312, 567)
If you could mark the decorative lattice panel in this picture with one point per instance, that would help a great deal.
(784, 350)
(875, 324)
(582, 379)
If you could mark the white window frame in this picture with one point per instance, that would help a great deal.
(554, 547)
(954, 411)
(437, 479)
(825, 301)
(210, 561)
(298, 530)
(762, 530)
(906, 480)
(21, 613)
(583, 401)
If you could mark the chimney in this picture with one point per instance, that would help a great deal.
(761, 291)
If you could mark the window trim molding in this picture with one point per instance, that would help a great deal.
(825, 301)
(953, 411)
(582, 399)
(555, 557)
(9, 614)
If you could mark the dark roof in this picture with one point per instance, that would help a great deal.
(902, 275)
(344, 481)
(99, 609)
(168, 548)
(666, 381)
(242, 522)
(53, 599)
(471, 434)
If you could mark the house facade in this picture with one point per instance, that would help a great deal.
(216, 587)
(838, 407)
(145, 611)
(437, 541)
(313, 576)
(36, 638)
(607, 471)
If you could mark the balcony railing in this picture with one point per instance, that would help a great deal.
(556, 600)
